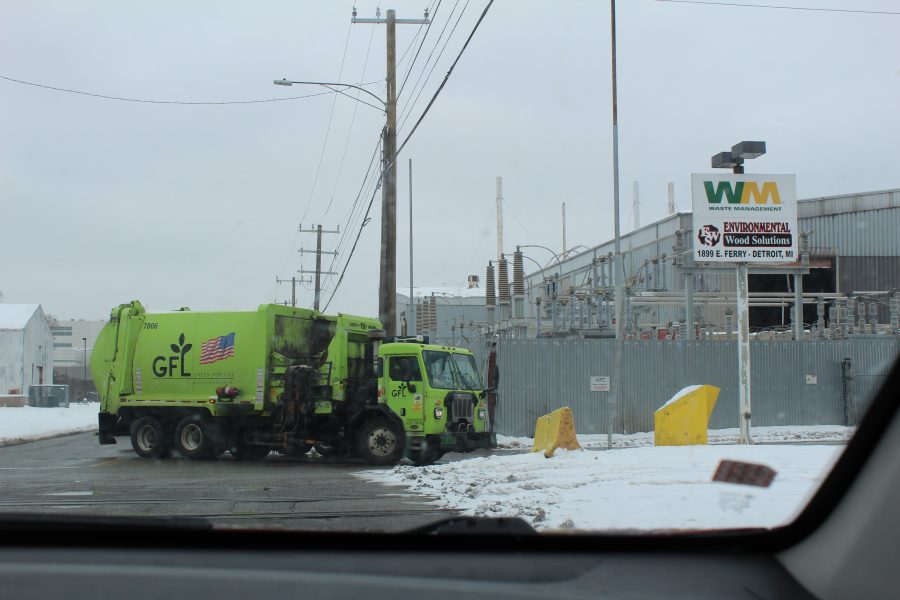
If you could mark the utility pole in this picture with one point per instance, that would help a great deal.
(318, 252)
(499, 218)
(387, 286)
(293, 281)
(614, 396)
(410, 312)
(564, 229)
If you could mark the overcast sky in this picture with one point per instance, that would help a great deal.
(106, 201)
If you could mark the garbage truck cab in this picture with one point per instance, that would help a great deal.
(438, 393)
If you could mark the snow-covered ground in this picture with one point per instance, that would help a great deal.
(26, 423)
(641, 488)
(793, 433)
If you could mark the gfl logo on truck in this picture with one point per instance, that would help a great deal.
(742, 192)
(165, 366)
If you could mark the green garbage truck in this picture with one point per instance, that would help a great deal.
(282, 379)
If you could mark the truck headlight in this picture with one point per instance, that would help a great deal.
(438, 413)
(481, 414)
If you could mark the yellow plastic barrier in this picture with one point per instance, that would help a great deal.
(556, 430)
(683, 420)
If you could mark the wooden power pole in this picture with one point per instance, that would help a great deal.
(387, 286)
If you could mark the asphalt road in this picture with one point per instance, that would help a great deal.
(76, 475)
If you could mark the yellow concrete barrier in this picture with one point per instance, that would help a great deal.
(684, 420)
(556, 430)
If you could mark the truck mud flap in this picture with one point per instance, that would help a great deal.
(107, 426)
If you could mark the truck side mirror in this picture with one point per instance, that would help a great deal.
(411, 387)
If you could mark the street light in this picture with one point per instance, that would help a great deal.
(333, 87)
(739, 153)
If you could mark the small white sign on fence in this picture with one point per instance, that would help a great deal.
(600, 383)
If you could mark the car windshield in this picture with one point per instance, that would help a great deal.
(363, 266)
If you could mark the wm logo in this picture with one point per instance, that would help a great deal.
(742, 192)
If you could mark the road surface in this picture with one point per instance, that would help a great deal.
(76, 475)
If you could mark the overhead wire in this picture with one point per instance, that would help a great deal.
(352, 217)
(147, 101)
(446, 78)
(432, 11)
(312, 191)
(349, 130)
(434, 14)
(405, 141)
(784, 7)
(437, 42)
(433, 66)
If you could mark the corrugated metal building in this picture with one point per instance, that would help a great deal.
(26, 348)
(448, 315)
(854, 247)
(73, 341)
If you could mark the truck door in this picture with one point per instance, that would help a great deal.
(404, 389)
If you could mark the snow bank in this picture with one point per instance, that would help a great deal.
(778, 434)
(26, 423)
(633, 488)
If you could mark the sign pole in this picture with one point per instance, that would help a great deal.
(743, 317)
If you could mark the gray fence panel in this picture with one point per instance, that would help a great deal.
(541, 375)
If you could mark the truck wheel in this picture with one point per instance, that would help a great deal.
(424, 456)
(149, 439)
(194, 438)
(246, 452)
(381, 441)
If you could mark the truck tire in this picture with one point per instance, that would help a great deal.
(381, 441)
(148, 438)
(194, 438)
(248, 453)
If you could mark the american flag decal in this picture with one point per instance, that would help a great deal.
(218, 348)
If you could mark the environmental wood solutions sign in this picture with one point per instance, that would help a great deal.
(744, 218)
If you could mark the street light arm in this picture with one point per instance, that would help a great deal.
(330, 84)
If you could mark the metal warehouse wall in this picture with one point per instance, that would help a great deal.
(540, 375)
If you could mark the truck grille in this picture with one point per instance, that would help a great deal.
(462, 407)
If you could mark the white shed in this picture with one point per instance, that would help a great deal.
(26, 348)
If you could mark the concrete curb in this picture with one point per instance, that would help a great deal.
(40, 438)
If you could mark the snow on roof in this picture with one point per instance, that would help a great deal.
(451, 292)
(16, 316)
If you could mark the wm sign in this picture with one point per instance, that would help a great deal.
(740, 218)
(742, 192)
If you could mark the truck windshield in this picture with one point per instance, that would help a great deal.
(439, 367)
(467, 371)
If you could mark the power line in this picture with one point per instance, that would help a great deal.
(433, 66)
(433, 12)
(446, 77)
(782, 7)
(430, 54)
(419, 49)
(418, 122)
(351, 216)
(145, 101)
(353, 249)
(312, 191)
(350, 130)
